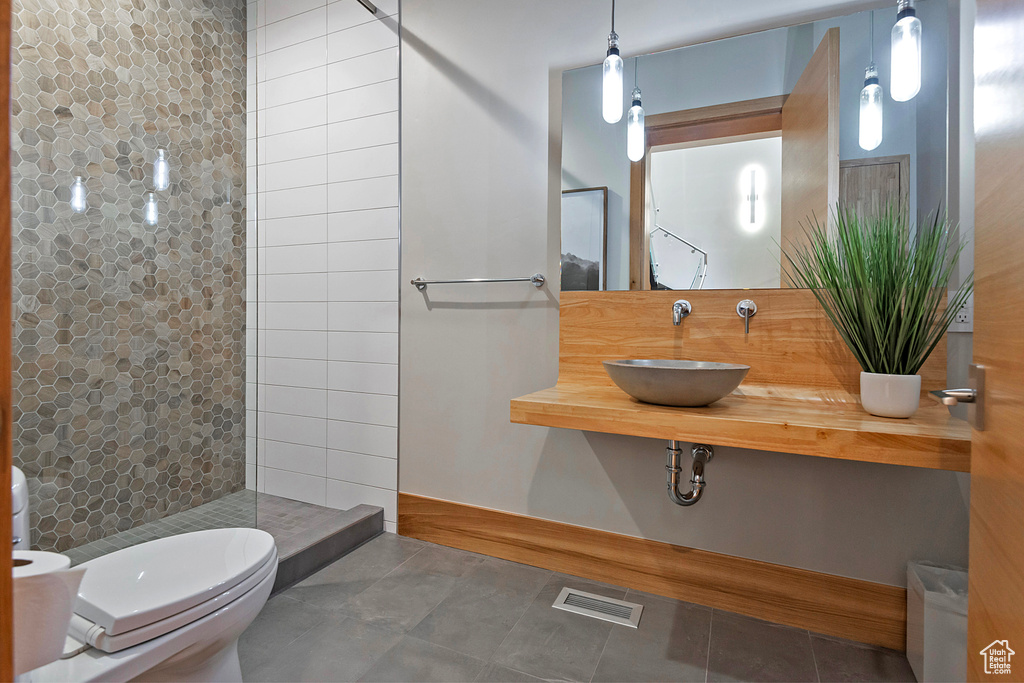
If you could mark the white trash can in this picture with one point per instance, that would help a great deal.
(937, 622)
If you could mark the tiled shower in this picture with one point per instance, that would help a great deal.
(129, 348)
(144, 353)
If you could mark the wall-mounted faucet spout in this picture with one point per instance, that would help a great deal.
(746, 309)
(701, 455)
(680, 310)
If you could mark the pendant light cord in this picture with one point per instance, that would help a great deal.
(613, 16)
(871, 34)
(636, 67)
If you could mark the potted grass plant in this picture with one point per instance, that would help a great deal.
(883, 283)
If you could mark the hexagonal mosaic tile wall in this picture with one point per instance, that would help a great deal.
(129, 339)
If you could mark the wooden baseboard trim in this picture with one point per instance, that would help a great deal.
(835, 605)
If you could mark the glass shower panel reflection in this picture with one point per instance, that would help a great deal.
(129, 249)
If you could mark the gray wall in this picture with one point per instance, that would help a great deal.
(481, 186)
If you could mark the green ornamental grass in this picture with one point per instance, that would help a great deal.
(882, 284)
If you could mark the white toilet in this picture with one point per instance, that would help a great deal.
(168, 610)
(19, 505)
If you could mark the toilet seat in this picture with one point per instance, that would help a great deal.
(142, 592)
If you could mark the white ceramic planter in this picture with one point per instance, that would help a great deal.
(890, 395)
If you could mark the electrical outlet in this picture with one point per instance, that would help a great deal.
(963, 321)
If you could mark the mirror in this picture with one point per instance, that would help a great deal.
(746, 138)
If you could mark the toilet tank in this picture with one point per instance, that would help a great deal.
(19, 505)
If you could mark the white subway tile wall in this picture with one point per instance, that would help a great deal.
(323, 297)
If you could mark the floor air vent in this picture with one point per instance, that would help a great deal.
(599, 607)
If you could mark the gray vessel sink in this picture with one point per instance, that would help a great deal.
(686, 383)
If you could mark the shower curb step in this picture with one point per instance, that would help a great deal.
(367, 523)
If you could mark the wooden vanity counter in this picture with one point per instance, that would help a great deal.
(799, 397)
(749, 418)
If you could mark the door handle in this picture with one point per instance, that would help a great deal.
(952, 397)
(973, 395)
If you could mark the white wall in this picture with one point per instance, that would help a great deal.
(327, 124)
(481, 143)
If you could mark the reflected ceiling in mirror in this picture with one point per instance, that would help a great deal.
(747, 138)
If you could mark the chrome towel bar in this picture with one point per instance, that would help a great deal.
(537, 280)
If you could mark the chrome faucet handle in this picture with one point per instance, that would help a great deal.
(680, 310)
(746, 309)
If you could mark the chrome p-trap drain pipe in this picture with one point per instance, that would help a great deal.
(701, 455)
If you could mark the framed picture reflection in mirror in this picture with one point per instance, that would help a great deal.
(585, 239)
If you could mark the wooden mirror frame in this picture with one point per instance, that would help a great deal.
(735, 119)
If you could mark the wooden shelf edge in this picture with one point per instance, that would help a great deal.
(887, 442)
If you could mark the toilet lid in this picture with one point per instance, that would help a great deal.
(134, 587)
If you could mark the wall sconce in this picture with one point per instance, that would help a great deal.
(752, 210)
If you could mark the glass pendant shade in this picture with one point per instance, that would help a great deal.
(905, 81)
(636, 142)
(151, 211)
(612, 82)
(161, 171)
(78, 192)
(871, 110)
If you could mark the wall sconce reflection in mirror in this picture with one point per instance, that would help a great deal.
(752, 209)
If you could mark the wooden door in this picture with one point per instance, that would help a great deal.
(810, 144)
(867, 185)
(996, 577)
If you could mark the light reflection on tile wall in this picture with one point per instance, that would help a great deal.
(328, 177)
(128, 339)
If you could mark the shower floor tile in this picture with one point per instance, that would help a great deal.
(293, 524)
(399, 609)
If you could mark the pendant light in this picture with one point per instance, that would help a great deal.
(161, 171)
(871, 99)
(636, 142)
(612, 79)
(78, 203)
(905, 81)
(151, 212)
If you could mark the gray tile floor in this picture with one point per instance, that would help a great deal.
(398, 609)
